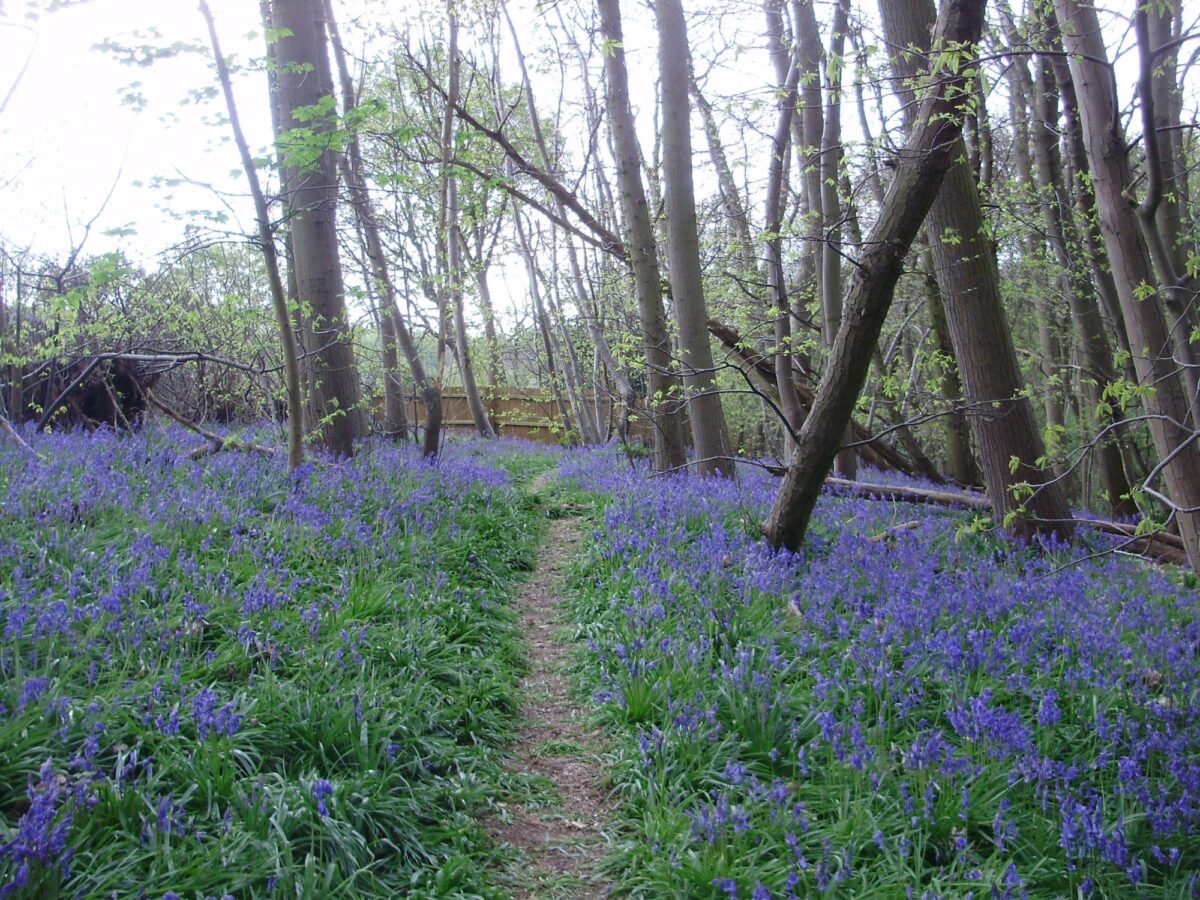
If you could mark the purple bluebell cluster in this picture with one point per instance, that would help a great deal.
(916, 711)
(194, 654)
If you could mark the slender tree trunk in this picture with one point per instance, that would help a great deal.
(933, 145)
(395, 329)
(1079, 172)
(1050, 346)
(846, 463)
(304, 81)
(1091, 341)
(789, 399)
(291, 363)
(452, 236)
(1165, 400)
(299, 320)
(970, 286)
(543, 325)
(1158, 213)
(683, 246)
(731, 198)
(582, 297)
(664, 402)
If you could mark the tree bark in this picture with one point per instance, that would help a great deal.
(452, 235)
(664, 402)
(846, 463)
(543, 325)
(970, 286)
(394, 329)
(266, 239)
(1165, 400)
(683, 246)
(305, 84)
(932, 146)
(1091, 341)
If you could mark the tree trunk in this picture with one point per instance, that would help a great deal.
(970, 286)
(266, 239)
(453, 239)
(664, 404)
(1091, 340)
(1128, 255)
(1050, 361)
(956, 430)
(846, 463)
(933, 145)
(393, 327)
(789, 399)
(543, 325)
(304, 83)
(731, 198)
(683, 246)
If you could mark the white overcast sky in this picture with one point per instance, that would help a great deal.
(67, 136)
(67, 139)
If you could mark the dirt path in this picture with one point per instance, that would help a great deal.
(559, 837)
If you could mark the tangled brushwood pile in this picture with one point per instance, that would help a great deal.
(87, 392)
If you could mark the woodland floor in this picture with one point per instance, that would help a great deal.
(558, 834)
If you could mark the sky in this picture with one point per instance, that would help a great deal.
(94, 130)
(70, 135)
(71, 132)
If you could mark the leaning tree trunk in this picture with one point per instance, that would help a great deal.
(933, 146)
(664, 403)
(970, 285)
(683, 246)
(304, 84)
(1149, 340)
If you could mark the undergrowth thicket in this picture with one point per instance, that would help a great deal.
(899, 711)
(220, 679)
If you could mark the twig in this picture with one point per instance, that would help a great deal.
(7, 429)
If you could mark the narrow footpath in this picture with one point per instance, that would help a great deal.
(558, 835)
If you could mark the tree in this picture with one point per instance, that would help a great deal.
(393, 327)
(1010, 446)
(451, 234)
(266, 239)
(664, 407)
(932, 148)
(683, 246)
(1159, 383)
(310, 139)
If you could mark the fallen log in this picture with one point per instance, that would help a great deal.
(8, 431)
(1159, 545)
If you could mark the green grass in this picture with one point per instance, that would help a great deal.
(387, 668)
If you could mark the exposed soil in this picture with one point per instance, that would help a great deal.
(559, 838)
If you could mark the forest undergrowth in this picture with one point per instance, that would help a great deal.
(905, 709)
(218, 679)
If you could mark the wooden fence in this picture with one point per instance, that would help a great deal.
(528, 413)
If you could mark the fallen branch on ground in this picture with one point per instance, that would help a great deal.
(216, 443)
(1159, 545)
(7, 429)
